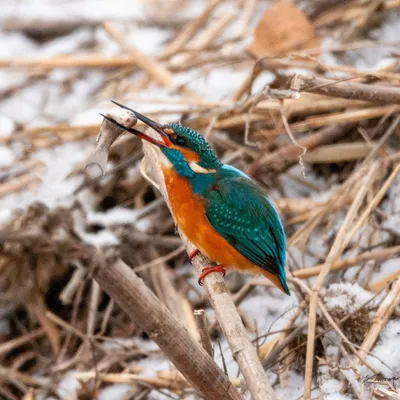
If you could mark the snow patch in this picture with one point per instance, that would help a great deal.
(388, 350)
(346, 296)
(6, 157)
(115, 216)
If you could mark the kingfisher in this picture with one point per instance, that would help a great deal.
(221, 210)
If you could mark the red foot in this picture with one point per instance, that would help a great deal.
(209, 270)
(193, 254)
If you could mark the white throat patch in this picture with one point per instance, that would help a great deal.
(199, 169)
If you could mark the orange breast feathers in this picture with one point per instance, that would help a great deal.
(189, 211)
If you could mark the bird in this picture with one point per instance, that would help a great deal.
(223, 212)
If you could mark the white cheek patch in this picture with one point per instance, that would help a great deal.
(199, 169)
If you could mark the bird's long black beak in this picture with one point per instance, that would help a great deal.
(159, 128)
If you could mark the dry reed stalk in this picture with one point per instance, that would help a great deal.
(129, 378)
(245, 17)
(378, 255)
(309, 104)
(70, 289)
(19, 183)
(380, 285)
(210, 33)
(82, 61)
(39, 309)
(386, 394)
(190, 318)
(270, 63)
(348, 90)
(56, 130)
(20, 341)
(245, 87)
(343, 196)
(172, 375)
(338, 153)
(202, 326)
(137, 300)
(318, 7)
(227, 315)
(351, 13)
(332, 256)
(288, 155)
(360, 24)
(163, 287)
(280, 345)
(189, 31)
(297, 205)
(26, 379)
(380, 319)
(371, 206)
(94, 301)
(157, 71)
(320, 121)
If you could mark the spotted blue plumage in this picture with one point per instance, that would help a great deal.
(241, 212)
(236, 206)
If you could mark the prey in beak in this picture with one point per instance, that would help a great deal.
(159, 128)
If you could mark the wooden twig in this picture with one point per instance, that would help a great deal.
(20, 341)
(137, 300)
(19, 183)
(315, 8)
(202, 326)
(348, 90)
(379, 285)
(39, 308)
(378, 255)
(82, 61)
(242, 349)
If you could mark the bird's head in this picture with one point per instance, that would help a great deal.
(183, 147)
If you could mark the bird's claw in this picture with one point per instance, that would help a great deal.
(209, 270)
(193, 254)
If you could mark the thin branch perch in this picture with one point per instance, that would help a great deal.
(141, 304)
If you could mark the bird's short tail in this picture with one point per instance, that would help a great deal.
(278, 281)
(285, 287)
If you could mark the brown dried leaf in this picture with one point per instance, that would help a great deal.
(283, 28)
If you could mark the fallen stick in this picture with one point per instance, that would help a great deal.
(144, 308)
(348, 90)
(242, 349)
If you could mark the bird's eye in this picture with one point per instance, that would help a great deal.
(180, 141)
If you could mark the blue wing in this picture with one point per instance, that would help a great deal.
(241, 212)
